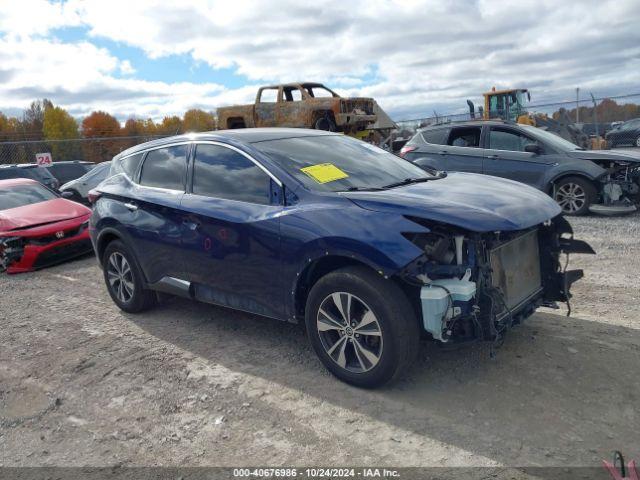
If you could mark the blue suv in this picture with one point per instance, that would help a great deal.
(368, 250)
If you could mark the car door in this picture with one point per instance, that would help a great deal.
(265, 107)
(289, 107)
(231, 231)
(152, 214)
(505, 156)
(462, 152)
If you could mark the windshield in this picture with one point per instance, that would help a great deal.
(336, 163)
(556, 142)
(21, 195)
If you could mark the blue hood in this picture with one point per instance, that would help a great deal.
(479, 203)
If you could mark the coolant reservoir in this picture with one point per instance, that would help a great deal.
(439, 304)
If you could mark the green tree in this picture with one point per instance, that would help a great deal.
(59, 125)
(196, 120)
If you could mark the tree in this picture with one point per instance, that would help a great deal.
(33, 117)
(59, 125)
(196, 120)
(100, 126)
(170, 126)
(138, 127)
(141, 130)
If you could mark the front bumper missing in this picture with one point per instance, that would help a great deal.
(513, 278)
(354, 119)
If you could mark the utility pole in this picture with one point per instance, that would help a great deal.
(577, 104)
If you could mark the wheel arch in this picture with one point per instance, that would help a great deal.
(236, 122)
(105, 237)
(323, 112)
(572, 173)
(314, 271)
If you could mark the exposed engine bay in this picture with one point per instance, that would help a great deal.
(620, 187)
(477, 285)
(11, 250)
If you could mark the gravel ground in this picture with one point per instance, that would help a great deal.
(187, 384)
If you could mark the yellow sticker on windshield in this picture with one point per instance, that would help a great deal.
(324, 172)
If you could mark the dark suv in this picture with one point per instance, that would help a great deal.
(32, 171)
(65, 171)
(579, 180)
(305, 225)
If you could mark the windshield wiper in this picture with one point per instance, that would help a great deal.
(409, 181)
(362, 189)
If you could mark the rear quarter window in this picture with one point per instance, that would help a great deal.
(128, 165)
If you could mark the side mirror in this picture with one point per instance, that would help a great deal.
(533, 148)
(66, 194)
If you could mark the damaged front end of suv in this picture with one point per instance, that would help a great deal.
(476, 285)
(619, 187)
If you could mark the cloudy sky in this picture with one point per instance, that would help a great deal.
(153, 58)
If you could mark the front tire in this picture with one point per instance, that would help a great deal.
(361, 326)
(325, 123)
(574, 195)
(124, 279)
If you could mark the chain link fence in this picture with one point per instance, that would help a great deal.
(597, 123)
(89, 149)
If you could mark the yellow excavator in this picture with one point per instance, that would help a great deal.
(511, 105)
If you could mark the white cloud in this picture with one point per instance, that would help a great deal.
(417, 56)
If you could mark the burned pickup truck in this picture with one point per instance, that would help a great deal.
(301, 105)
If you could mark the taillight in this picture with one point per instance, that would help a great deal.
(93, 196)
(406, 149)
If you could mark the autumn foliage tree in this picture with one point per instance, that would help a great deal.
(135, 128)
(101, 124)
(170, 126)
(196, 120)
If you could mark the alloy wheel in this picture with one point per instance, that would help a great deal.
(120, 277)
(571, 197)
(349, 332)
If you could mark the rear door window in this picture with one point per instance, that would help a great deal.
(436, 136)
(465, 137)
(221, 172)
(165, 168)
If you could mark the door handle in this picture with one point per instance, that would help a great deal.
(493, 157)
(443, 152)
(191, 225)
(131, 207)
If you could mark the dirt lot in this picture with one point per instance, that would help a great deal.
(190, 384)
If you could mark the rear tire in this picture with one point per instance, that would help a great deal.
(574, 195)
(361, 326)
(124, 279)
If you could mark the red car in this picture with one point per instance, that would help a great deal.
(38, 227)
